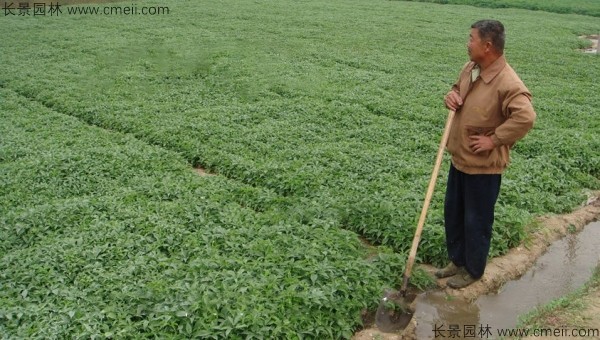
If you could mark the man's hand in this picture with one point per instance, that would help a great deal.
(480, 144)
(453, 100)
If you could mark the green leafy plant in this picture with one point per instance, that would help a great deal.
(318, 131)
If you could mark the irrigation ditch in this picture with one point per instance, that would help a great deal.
(557, 258)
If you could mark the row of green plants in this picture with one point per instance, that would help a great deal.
(341, 124)
(105, 236)
(583, 7)
(321, 120)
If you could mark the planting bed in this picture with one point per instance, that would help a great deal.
(318, 122)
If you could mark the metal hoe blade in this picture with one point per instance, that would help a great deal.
(393, 313)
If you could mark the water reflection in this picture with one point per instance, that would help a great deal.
(441, 316)
(566, 266)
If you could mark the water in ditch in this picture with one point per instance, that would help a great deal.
(566, 266)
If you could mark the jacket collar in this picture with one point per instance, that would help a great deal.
(492, 71)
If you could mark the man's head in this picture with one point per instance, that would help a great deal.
(486, 41)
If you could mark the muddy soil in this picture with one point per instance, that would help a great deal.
(508, 267)
(594, 39)
(202, 172)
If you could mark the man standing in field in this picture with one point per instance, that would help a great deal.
(493, 111)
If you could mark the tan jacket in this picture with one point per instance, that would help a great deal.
(496, 104)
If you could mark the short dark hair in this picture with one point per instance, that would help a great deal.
(492, 30)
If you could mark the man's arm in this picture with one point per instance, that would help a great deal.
(521, 117)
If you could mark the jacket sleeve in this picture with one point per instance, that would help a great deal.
(456, 85)
(520, 117)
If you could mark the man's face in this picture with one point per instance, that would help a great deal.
(476, 47)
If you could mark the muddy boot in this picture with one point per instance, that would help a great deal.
(449, 270)
(461, 279)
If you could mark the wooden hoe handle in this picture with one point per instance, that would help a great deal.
(432, 181)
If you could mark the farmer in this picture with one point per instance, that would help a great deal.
(493, 111)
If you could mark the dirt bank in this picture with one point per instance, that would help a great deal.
(510, 266)
(583, 321)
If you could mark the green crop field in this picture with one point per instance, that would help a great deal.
(585, 7)
(320, 121)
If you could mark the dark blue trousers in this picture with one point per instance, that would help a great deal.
(469, 216)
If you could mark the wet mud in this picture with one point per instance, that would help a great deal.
(595, 40)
